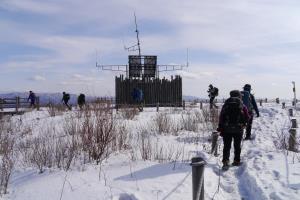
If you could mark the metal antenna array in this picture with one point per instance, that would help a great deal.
(141, 65)
(137, 46)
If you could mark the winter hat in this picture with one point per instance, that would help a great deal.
(235, 93)
(247, 87)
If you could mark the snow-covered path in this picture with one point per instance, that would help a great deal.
(267, 171)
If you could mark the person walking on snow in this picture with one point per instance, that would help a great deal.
(32, 98)
(250, 102)
(65, 99)
(81, 101)
(233, 119)
(212, 93)
(137, 96)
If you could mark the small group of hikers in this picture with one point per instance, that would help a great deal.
(65, 99)
(80, 100)
(236, 114)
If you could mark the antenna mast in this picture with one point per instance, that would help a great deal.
(137, 35)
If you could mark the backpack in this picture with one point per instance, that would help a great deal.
(246, 98)
(233, 115)
(216, 91)
(67, 97)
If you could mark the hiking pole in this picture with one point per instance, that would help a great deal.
(198, 164)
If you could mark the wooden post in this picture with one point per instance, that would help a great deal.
(292, 140)
(201, 105)
(157, 107)
(198, 165)
(294, 123)
(183, 104)
(283, 105)
(214, 143)
(291, 112)
(38, 103)
(17, 104)
(1, 104)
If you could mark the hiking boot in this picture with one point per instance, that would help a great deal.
(225, 166)
(236, 163)
(226, 163)
(247, 138)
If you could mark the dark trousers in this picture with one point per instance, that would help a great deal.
(211, 102)
(67, 104)
(249, 126)
(227, 139)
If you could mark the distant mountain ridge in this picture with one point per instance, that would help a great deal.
(45, 98)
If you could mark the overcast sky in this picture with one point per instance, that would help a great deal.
(50, 45)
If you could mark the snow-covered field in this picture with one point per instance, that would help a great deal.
(153, 161)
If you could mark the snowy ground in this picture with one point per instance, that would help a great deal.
(268, 172)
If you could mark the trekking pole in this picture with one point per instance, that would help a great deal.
(198, 164)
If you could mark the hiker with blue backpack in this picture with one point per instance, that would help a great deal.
(250, 102)
(233, 119)
(137, 96)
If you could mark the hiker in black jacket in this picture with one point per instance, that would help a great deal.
(65, 99)
(251, 105)
(233, 119)
(212, 93)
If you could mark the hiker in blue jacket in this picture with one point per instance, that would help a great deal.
(250, 103)
(137, 95)
(32, 98)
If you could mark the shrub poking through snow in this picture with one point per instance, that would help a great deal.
(98, 131)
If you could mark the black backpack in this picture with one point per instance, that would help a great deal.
(215, 91)
(233, 115)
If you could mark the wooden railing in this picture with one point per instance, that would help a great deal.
(17, 103)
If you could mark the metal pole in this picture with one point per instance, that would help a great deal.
(198, 164)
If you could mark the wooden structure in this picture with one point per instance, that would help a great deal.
(15, 105)
(162, 92)
(142, 74)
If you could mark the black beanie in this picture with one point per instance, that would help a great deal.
(235, 93)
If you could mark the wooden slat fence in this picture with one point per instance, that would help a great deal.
(156, 91)
(17, 103)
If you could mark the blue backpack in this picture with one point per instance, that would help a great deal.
(246, 98)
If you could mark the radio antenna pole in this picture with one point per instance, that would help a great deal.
(137, 35)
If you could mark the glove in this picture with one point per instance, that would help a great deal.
(220, 130)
